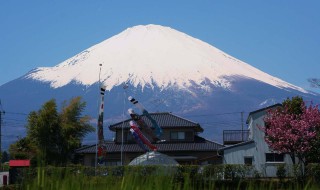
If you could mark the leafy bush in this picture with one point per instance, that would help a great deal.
(298, 172)
(213, 172)
(256, 174)
(237, 171)
(281, 171)
(313, 172)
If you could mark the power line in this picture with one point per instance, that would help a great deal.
(214, 114)
(11, 119)
(16, 113)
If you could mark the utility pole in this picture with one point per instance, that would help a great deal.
(97, 134)
(242, 125)
(1, 112)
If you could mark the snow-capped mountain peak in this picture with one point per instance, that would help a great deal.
(153, 55)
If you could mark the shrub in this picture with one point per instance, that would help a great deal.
(313, 172)
(298, 172)
(237, 171)
(214, 172)
(281, 171)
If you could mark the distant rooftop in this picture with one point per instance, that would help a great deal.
(164, 119)
(200, 144)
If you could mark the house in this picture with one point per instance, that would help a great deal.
(182, 142)
(254, 149)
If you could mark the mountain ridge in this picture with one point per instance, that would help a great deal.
(152, 54)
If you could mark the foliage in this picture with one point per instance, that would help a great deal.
(5, 166)
(298, 173)
(215, 172)
(228, 171)
(4, 157)
(23, 149)
(313, 172)
(294, 106)
(77, 177)
(292, 129)
(43, 130)
(52, 136)
(74, 127)
(281, 171)
(237, 171)
(313, 155)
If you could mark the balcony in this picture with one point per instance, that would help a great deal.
(231, 137)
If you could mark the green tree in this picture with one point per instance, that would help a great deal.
(4, 157)
(294, 105)
(74, 127)
(23, 149)
(43, 129)
(52, 136)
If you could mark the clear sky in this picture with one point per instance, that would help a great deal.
(281, 38)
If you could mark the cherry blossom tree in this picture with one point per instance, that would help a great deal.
(292, 132)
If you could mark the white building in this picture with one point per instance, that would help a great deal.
(254, 150)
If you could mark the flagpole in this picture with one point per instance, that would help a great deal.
(96, 157)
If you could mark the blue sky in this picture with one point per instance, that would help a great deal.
(281, 38)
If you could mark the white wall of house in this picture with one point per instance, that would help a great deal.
(2, 174)
(236, 154)
(256, 150)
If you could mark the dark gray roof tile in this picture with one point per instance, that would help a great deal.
(199, 145)
(164, 120)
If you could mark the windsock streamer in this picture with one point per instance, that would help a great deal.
(101, 145)
(146, 113)
(134, 127)
(138, 140)
(144, 127)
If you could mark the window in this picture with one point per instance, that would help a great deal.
(130, 138)
(177, 135)
(274, 157)
(113, 163)
(248, 161)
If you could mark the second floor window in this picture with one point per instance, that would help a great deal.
(177, 135)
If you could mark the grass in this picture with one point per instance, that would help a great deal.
(136, 178)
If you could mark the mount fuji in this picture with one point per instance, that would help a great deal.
(167, 70)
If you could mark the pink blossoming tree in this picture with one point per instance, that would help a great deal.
(292, 132)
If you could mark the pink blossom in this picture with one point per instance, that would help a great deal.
(291, 133)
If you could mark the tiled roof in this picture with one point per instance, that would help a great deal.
(237, 145)
(200, 144)
(164, 119)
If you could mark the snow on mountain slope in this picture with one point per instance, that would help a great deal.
(153, 54)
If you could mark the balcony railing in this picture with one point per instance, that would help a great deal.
(235, 136)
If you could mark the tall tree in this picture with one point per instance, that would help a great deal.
(43, 129)
(74, 126)
(293, 128)
(4, 157)
(51, 135)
